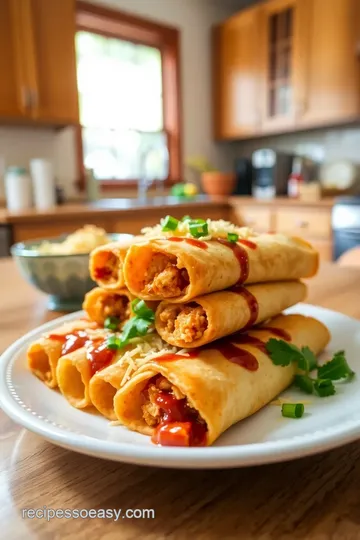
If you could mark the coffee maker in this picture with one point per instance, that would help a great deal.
(271, 171)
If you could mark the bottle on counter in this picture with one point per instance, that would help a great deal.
(43, 181)
(295, 179)
(18, 190)
(92, 185)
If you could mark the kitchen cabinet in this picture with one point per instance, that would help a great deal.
(280, 32)
(305, 69)
(236, 76)
(331, 73)
(37, 52)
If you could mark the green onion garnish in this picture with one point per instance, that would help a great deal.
(232, 237)
(292, 410)
(169, 223)
(142, 310)
(111, 323)
(113, 342)
(186, 218)
(198, 229)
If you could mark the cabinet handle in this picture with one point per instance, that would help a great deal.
(25, 98)
(34, 99)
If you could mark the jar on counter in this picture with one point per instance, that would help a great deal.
(18, 189)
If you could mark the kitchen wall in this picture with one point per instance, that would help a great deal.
(194, 18)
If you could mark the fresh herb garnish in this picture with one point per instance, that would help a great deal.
(283, 353)
(137, 326)
(198, 228)
(292, 410)
(111, 323)
(142, 310)
(169, 223)
(186, 218)
(232, 237)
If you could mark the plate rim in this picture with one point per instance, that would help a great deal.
(205, 457)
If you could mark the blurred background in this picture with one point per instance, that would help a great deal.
(254, 101)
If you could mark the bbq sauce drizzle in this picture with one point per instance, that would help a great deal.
(97, 352)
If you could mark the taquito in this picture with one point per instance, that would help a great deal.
(106, 263)
(43, 355)
(100, 304)
(89, 375)
(183, 268)
(192, 398)
(106, 382)
(219, 314)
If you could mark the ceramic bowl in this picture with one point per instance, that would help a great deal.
(65, 278)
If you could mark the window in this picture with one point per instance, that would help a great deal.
(128, 82)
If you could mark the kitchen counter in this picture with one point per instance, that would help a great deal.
(313, 498)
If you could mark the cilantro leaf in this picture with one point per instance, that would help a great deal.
(283, 353)
(324, 387)
(305, 383)
(310, 359)
(337, 368)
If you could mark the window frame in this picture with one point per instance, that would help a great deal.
(114, 23)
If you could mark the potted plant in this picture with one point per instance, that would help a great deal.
(213, 181)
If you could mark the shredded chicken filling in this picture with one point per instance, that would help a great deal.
(164, 278)
(153, 414)
(186, 323)
(116, 305)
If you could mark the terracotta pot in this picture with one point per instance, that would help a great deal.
(218, 183)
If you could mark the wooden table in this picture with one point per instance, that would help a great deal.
(314, 498)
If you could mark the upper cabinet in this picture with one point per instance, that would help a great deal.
(237, 76)
(304, 68)
(37, 51)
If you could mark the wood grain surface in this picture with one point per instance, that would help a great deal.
(313, 498)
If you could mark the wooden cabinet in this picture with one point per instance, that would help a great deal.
(37, 54)
(237, 76)
(303, 63)
(257, 218)
(331, 70)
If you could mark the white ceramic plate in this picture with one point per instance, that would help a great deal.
(264, 438)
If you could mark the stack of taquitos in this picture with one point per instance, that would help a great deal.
(224, 375)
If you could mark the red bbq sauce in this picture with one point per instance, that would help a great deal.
(99, 356)
(241, 255)
(251, 302)
(72, 341)
(247, 243)
(179, 425)
(192, 241)
(279, 332)
(169, 357)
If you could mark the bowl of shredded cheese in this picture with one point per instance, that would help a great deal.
(59, 266)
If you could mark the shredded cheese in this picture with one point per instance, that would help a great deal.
(216, 228)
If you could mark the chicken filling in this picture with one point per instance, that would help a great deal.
(164, 278)
(107, 267)
(116, 305)
(167, 410)
(186, 323)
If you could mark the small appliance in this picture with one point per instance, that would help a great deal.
(244, 177)
(271, 172)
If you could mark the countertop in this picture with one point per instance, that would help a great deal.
(314, 498)
(103, 207)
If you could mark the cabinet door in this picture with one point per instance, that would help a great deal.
(13, 94)
(281, 55)
(51, 61)
(237, 77)
(331, 36)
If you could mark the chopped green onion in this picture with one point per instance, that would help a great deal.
(324, 387)
(140, 309)
(292, 410)
(111, 323)
(198, 229)
(232, 237)
(113, 342)
(169, 223)
(186, 218)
